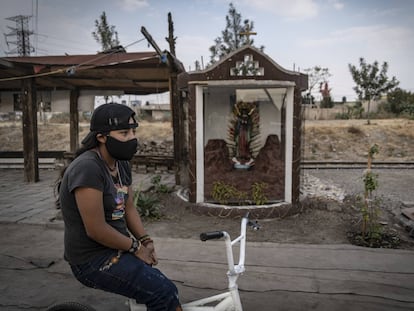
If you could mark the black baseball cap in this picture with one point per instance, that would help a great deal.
(109, 117)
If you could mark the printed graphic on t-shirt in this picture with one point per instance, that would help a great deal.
(120, 200)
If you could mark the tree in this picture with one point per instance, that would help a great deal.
(400, 101)
(317, 75)
(233, 37)
(326, 101)
(104, 34)
(371, 81)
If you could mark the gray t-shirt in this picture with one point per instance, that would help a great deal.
(89, 170)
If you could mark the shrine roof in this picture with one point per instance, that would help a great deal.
(246, 63)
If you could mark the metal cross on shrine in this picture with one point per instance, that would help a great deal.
(247, 33)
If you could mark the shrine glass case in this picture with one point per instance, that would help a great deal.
(244, 144)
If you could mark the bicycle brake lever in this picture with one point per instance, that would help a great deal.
(255, 225)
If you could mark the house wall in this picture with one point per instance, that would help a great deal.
(330, 113)
(157, 112)
(160, 115)
(6, 102)
(322, 113)
(59, 100)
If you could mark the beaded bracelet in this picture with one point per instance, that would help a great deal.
(143, 238)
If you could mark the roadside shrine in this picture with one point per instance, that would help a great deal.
(243, 131)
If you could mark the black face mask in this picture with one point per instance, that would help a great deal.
(121, 150)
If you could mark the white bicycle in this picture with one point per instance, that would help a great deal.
(229, 300)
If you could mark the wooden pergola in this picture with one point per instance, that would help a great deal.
(133, 73)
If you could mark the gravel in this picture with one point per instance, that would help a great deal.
(393, 184)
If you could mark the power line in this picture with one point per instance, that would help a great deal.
(72, 69)
(51, 43)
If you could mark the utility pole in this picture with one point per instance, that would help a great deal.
(29, 101)
(176, 107)
(22, 34)
(171, 39)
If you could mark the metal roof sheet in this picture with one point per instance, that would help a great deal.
(133, 73)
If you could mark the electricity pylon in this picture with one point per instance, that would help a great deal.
(22, 34)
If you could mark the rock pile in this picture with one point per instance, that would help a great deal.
(163, 148)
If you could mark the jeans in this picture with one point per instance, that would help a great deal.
(129, 277)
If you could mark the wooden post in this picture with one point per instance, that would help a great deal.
(297, 140)
(176, 110)
(192, 135)
(176, 106)
(74, 120)
(171, 39)
(30, 139)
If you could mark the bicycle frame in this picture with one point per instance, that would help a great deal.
(229, 300)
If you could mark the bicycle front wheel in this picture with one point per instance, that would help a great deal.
(70, 306)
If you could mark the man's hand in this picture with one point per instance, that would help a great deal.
(147, 254)
(151, 247)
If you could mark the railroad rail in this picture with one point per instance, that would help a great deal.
(357, 164)
(151, 163)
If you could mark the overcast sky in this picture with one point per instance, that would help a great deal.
(296, 33)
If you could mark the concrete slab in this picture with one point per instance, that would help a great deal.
(278, 276)
(408, 212)
(294, 277)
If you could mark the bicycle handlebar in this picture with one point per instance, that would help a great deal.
(241, 239)
(211, 235)
(205, 236)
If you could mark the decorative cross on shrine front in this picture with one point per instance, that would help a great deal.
(247, 33)
(248, 67)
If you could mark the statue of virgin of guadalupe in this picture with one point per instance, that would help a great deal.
(243, 128)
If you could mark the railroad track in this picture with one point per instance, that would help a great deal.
(56, 159)
(49, 159)
(357, 165)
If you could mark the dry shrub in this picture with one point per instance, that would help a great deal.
(355, 130)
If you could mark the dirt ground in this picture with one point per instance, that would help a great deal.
(349, 140)
(320, 221)
(55, 136)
